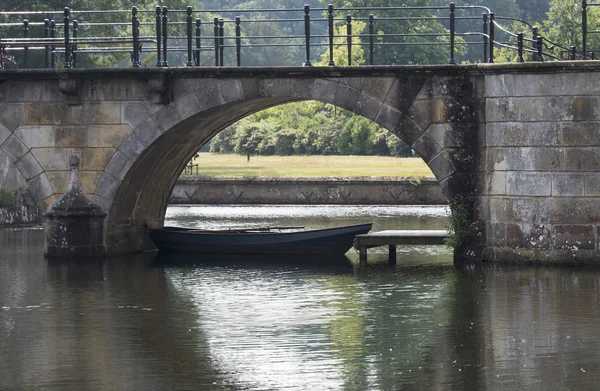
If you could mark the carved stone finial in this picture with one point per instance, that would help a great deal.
(74, 161)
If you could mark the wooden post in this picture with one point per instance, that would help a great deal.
(362, 251)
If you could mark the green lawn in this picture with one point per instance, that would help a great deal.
(211, 164)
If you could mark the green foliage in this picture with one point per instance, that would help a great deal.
(460, 223)
(8, 198)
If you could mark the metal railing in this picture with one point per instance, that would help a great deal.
(162, 37)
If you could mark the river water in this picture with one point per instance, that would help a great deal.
(195, 323)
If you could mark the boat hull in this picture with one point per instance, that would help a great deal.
(322, 241)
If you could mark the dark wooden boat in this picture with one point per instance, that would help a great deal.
(321, 241)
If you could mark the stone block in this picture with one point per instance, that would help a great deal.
(436, 87)
(45, 203)
(209, 97)
(4, 134)
(573, 237)
(568, 185)
(107, 186)
(426, 147)
(279, 87)
(324, 91)
(584, 108)
(181, 87)
(59, 180)
(455, 135)
(40, 187)
(14, 147)
(96, 159)
(167, 117)
(425, 113)
(572, 210)
(496, 234)
(529, 236)
(516, 159)
(356, 83)
(301, 88)
(102, 203)
(464, 159)
(39, 91)
(499, 209)
(388, 117)
(114, 90)
(132, 147)
(53, 158)
(377, 87)
(44, 113)
(346, 97)
(408, 130)
(548, 159)
(28, 166)
(495, 182)
(102, 113)
(507, 134)
(89, 181)
(524, 183)
(12, 115)
(149, 131)
(367, 106)
(111, 136)
(592, 184)
(501, 110)
(522, 210)
(404, 91)
(582, 159)
(585, 134)
(252, 88)
(119, 165)
(36, 136)
(544, 133)
(71, 136)
(499, 85)
(441, 166)
(231, 91)
(134, 113)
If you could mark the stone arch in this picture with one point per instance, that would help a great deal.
(136, 184)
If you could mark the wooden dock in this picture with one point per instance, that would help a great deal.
(395, 238)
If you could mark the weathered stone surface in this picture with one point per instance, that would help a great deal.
(582, 159)
(71, 136)
(505, 134)
(276, 86)
(107, 186)
(426, 147)
(574, 237)
(102, 112)
(567, 185)
(592, 184)
(231, 91)
(252, 87)
(132, 146)
(40, 186)
(14, 147)
(441, 166)
(44, 113)
(12, 115)
(89, 181)
(36, 136)
(356, 83)
(107, 135)
(388, 117)
(544, 133)
(4, 134)
(378, 87)
(301, 88)
(149, 131)
(496, 234)
(102, 203)
(529, 236)
(324, 91)
(52, 158)
(548, 159)
(119, 165)
(523, 183)
(367, 106)
(28, 166)
(134, 113)
(346, 97)
(585, 134)
(496, 182)
(574, 210)
(42, 90)
(167, 117)
(59, 180)
(95, 159)
(114, 90)
(501, 110)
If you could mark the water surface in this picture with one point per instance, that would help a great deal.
(226, 324)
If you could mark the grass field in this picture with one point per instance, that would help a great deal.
(210, 164)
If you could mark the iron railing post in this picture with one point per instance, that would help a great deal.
(572, 53)
(584, 28)
(371, 37)
(221, 41)
(135, 38)
(535, 33)
(46, 47)
(158, 36)
(540, 48)
(165, 35)
(485, 37)
(198, 41)
(74, 46)
(331, 33)
(190, 61)
(66, 22)
(52, 46)
(452, 32)
(25, 46)
(492, 29)
(216, 35)
(238, 41)
(520, 47)
(349, 37)
(307, 33)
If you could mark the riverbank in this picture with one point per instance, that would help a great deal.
(307, 191)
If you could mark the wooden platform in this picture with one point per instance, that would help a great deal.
(395, 238)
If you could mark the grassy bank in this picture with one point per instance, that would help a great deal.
(210, 164)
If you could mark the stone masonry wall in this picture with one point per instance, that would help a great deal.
(543, 167)
(298, 191)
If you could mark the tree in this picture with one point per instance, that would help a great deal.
(564, 26)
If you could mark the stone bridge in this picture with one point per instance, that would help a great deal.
(516, 145)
